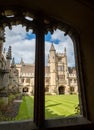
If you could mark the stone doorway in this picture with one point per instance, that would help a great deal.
(61, 90)
(25, 89)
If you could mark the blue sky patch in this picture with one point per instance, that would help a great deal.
(48, 37)
(56, 41)
(30, 36)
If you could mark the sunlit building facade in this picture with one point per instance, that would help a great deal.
(59, 78)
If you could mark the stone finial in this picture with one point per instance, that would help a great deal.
(22, 62)
(13, 63)
(65, 50)
(8, 56)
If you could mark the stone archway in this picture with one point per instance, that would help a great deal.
(61, 90)
(25, 89)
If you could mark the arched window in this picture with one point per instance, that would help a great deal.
(41, 26)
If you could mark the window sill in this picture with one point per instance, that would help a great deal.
(72, 123)
(67, 122)
(18, 125)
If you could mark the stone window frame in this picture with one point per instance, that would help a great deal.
(28, 80)
(22, 80)
(41, 24)
(60, 68)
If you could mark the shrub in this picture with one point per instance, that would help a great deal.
(1, 103)
(77, 109)
(11, 98)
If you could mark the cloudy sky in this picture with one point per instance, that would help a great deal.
(23, 44)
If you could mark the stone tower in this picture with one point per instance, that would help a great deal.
(53, 70)
(66, 66)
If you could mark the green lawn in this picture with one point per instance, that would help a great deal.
(26, 108)
(60, 106)
(56, 106)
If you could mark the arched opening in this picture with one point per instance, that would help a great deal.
(60, 67)
(61, 90)
(18, 58)
(39, 87)
(25, 89)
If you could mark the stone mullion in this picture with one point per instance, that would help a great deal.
(39, 77)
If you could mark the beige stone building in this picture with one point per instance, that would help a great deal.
(59, 78)
(8, 73)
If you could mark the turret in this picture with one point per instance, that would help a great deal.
(52, 54)
(53, 69)
(65, 66)
(8, 57)
(65, 61)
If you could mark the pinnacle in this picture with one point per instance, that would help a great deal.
(52, 47)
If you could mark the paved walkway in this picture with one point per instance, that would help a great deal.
(17, 101)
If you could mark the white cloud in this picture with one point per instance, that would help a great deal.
(58, 34)
(17, 33)
(21, 47)
(25, 48)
